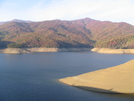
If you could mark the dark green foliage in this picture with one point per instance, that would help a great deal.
(15, 45)
(119, 42)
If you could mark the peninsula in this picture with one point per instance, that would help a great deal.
(117, 79)
(113, 51)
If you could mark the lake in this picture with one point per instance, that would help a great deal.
(34, 77)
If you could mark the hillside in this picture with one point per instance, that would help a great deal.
(56, 33)
(122, 42)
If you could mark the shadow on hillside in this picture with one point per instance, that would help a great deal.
(75, 44)
(3, 44)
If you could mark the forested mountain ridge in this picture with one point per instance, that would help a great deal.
(56, 33)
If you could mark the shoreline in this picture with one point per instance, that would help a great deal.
(116, 79)
(42, 49)
(113, 51)
(32, 50)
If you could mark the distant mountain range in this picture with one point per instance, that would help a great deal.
(82, 33)
(15, 20)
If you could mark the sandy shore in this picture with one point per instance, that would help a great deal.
(113, 51)
(98, 50)
(30, 50)
(117, 79)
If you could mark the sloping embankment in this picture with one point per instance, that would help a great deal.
(117, 79)
(113, 51)
(30, 50)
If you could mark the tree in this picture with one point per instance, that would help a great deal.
(15, 45)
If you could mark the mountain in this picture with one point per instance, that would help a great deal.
(57, 33)
(2, 23)
(18, 20)
(15, 20)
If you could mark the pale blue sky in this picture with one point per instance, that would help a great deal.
(40, 10)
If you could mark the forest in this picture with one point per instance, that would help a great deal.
(82, 33)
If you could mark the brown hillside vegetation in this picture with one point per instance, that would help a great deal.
(56, 33)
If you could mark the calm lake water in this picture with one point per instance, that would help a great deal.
(34, 77)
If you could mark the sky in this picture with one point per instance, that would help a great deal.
(41, 10)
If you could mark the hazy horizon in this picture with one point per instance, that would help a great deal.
(42, 10)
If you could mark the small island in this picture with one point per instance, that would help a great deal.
(117, 79)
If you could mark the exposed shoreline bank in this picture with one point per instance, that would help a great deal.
(113, 51)
(98, 50)
(31, 50)
(116, 79)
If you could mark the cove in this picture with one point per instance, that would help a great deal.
(34, 76)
